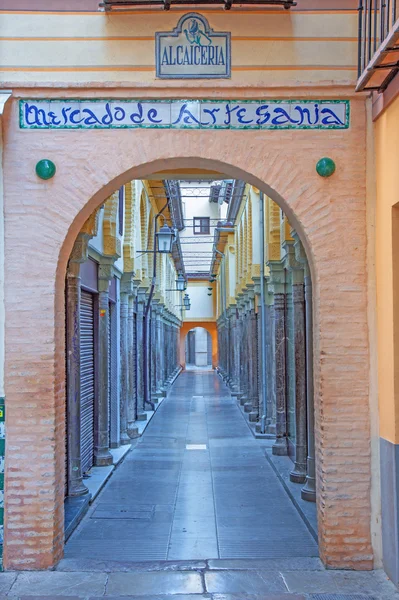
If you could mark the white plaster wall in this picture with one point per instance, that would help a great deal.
(232, 272)
(255, 226)
(201, 347)
(97, 242)
(196, 205)
(201, 303)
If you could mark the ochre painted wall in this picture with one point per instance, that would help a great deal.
(387, 268)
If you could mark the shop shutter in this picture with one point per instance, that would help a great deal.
(87, 379)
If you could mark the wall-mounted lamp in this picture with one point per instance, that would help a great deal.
(181, 284)
(186, 302)
(165, 237)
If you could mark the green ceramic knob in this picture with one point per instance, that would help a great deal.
(45, 169)
(325, 167)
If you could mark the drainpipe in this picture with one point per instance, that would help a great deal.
(146, 313)
(263, 316)
(222, 283)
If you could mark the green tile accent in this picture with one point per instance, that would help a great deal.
(2, 446)
(1, 481)
(1, 516)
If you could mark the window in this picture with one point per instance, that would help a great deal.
(201, 225)
(121, 209)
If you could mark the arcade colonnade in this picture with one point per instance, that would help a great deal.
(283, 407)
(112, 352)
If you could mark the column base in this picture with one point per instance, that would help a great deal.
(125, 439)
(308, 492)
(253, 417)
(103, 458)
(132, 431)
(279, 447)
(243, 399)
(78, 488)
(297, 476)
(248, 407)
(141, 416)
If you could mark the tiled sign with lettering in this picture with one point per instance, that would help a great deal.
(192, 51)
(184, 114)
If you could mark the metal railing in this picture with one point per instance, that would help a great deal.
(376, 19)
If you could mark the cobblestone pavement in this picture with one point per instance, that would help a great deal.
(181, 521)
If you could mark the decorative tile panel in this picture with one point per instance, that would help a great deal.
(183, 114)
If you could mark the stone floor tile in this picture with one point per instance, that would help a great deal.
(369, 584)
(340, 597)
(141, 584)
(157, 597)
(268, 564)
(114, 566)
(257, 597)
(49, 583)
(310, 581)
(48, 597)
(240, 582)
(6, 581)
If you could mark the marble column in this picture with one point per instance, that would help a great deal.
(253, 357)
(141, 359)
(298, 474)
(124, 357)
(132, 429)
(102, 455)
(154, 351)
(158, 353)
(277, 279)
(309, 490)
(76, 487)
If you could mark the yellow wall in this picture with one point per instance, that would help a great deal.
(269, 47)
(387, 269)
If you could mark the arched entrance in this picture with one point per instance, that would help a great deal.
(330, 220)
(210, 328)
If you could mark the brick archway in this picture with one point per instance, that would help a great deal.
(210, 327)
(329, 216)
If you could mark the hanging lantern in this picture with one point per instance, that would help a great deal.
(186, 302)
(181, 282)
(165, 237)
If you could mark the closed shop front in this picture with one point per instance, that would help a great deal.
(88, 309)
(87, 379)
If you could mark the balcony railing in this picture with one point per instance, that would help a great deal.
(378, 50)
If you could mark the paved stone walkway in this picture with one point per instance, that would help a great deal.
(197, 486)
(189, 523)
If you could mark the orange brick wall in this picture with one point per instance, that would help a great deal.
(42, 220)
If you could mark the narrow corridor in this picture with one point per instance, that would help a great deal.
(197, 485)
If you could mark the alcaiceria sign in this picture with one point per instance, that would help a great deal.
(193, 51)
(115, 113)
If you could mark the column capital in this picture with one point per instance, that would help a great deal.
(105, 274)
(276, 279)
(292, 264)
(127, 284)
(79, 253)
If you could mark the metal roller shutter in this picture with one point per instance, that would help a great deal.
(87, 379)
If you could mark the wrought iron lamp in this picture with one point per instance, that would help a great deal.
(181, 284)
(165, 238)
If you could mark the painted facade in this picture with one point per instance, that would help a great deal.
(305, 54)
